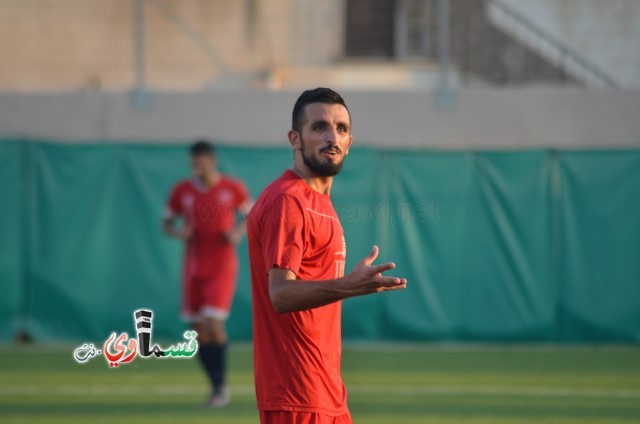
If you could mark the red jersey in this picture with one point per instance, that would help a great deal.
(297, 354)
(210, 211)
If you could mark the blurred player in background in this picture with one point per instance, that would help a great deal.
(297, 253)
(208, 203)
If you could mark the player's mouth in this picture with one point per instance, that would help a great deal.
(331, 153)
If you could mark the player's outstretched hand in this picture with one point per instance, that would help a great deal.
(367, 278)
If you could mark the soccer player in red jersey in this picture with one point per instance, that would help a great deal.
(297, 253)
(208, 203)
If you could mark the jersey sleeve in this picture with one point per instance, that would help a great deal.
(174, 206)
(283, 234)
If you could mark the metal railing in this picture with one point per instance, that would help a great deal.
(547, 45)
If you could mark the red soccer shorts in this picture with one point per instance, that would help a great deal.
(211, 296)
(288, 417)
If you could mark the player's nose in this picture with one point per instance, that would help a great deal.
(331, 137)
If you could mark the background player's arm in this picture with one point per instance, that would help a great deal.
(234, 236)
(169, 227)
(243, 207)
(171, 214)
(289, 294)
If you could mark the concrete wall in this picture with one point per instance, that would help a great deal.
(562, 118)
(70, 44)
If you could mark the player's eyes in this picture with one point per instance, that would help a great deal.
(323, 127)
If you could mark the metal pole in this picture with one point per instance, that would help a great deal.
(445, 97)
(139, 52)
(443, 41)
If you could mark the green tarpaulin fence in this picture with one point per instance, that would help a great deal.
(536, 245)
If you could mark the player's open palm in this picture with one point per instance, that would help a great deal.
(367, 278)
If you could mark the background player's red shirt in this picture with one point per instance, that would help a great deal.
(296, 355)
(210, 212)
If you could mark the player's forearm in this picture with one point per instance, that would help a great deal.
(289, 294)
(234, 236)
(300, 295)
(241, 229)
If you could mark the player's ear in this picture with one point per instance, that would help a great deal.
(294, 139)
(346, 152)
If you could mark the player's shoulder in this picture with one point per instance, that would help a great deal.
(183, 185)
(287, 186)
(232, 182)
(229, 179)
(281, 191)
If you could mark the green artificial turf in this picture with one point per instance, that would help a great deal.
(386, 384)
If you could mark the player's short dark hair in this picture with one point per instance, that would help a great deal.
(202, 147)
(317, 95)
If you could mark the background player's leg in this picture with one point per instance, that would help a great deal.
(205, 350)
(218, 340)
(193, 297)
(212, 354)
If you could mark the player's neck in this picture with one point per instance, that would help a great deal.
(318, 183)
(210, 179)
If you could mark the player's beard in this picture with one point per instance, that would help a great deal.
(320, 167)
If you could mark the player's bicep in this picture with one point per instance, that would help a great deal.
(278, 280)
(279, 277)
